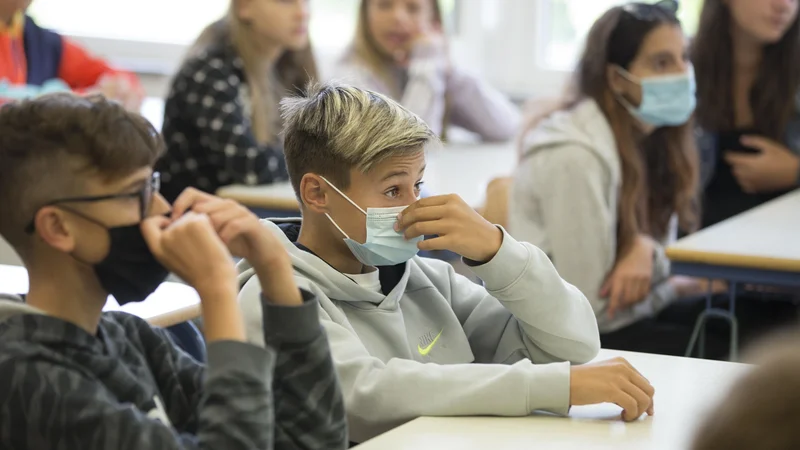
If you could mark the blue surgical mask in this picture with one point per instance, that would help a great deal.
(667, 100)
(384, 246)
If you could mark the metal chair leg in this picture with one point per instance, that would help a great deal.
(699, 326)
(733, 352)
(698, 334)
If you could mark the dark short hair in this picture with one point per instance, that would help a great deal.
(48, 145)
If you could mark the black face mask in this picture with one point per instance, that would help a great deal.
(129, 272)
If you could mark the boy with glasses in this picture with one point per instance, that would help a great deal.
(80, 205)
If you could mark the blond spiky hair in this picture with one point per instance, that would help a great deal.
(335, 128)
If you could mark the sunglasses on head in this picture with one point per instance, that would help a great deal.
(651, 11)
(145, 196)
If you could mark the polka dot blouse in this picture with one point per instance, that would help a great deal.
(208, 132)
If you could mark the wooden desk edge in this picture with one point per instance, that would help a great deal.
(260, 201)
(683, 255)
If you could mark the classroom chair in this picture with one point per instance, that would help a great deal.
(188, 337)
(495, 210)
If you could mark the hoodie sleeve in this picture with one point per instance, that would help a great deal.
(382, 395)
(478, 107)
(525, 310)
(570, 185)
(379, 396)
(309, 409)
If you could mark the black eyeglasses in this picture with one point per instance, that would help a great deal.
(145, 195)
(651, 11)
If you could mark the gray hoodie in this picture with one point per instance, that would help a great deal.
(433, 343)
(564, 201)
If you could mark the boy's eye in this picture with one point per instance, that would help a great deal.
(392, 193)
(418, 187)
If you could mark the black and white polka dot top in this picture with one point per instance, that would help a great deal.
(207, 129)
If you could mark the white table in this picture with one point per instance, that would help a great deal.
(463, 169)
(760, 246)
(170, 304)
(685, 390)
(762, 241)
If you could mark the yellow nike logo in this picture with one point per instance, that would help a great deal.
(427, 349)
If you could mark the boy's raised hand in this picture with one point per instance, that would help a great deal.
(458, 227)
(247, 238)
(190, 247)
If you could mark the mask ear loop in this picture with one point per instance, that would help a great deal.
(346, 198)
(627, 75)
(620, 98)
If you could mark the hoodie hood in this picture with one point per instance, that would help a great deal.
(584, 125)
(315, 274)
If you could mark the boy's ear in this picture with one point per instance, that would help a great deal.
(54, 228)
(314, 193)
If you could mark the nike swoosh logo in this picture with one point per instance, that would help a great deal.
(425, 350)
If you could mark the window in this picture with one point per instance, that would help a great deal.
(564, 24)
(127, 30)
(167, 21)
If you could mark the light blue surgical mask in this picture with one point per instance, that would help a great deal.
(667, 100)
(384, 246)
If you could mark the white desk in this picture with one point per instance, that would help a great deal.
(759, 246)
(463, 169)
(170, 304)
(765, 238)
(685, 390)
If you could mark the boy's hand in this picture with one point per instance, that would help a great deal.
(246, 238)
(236, 225)
(613, 381)
(460, 228)
(191, 248)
